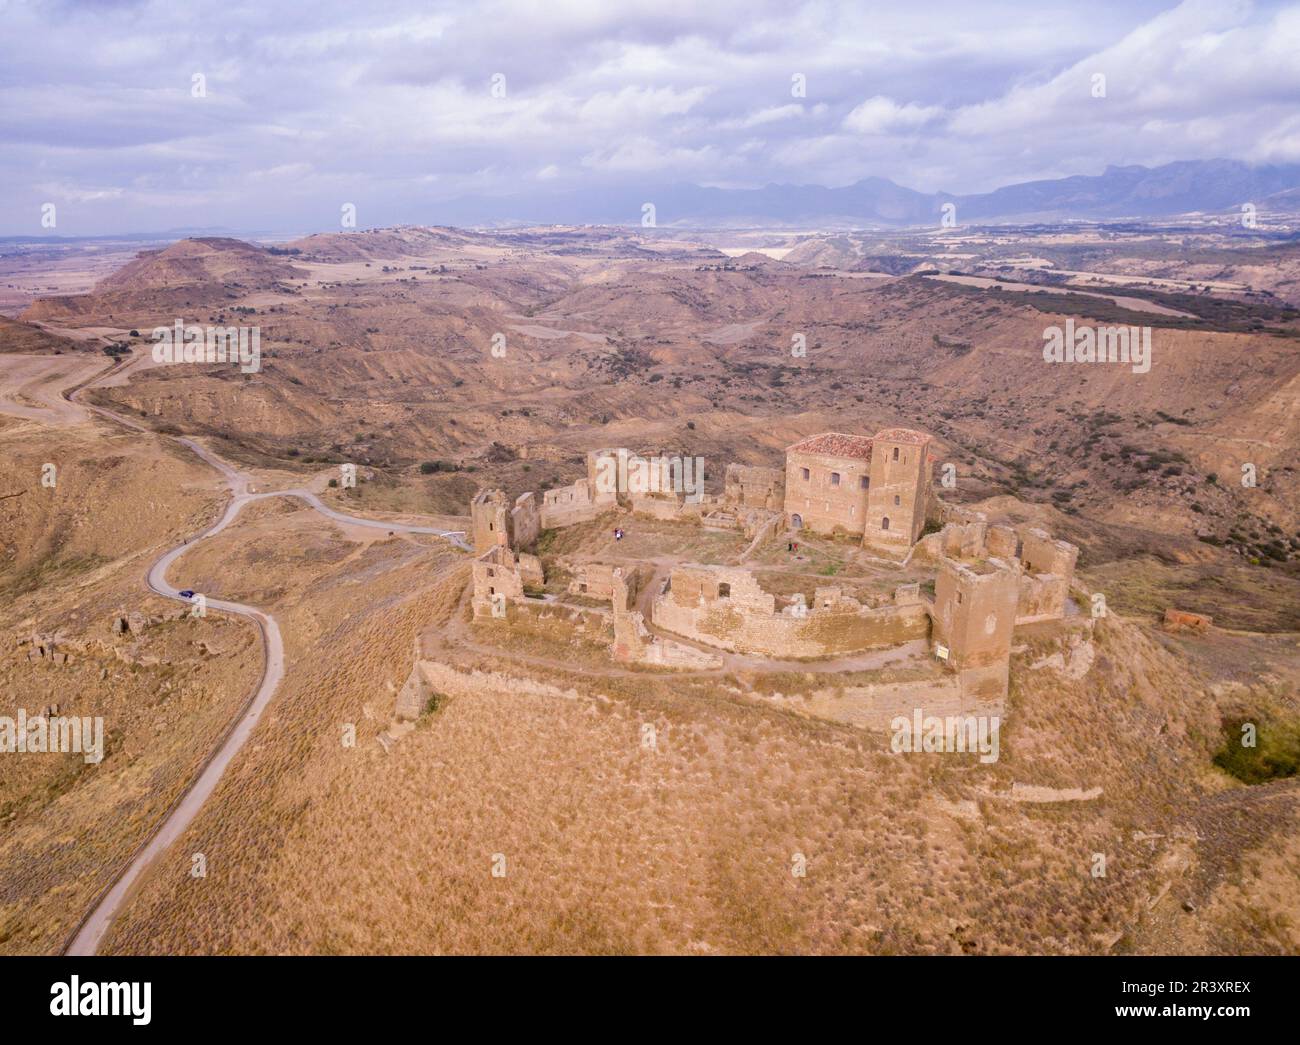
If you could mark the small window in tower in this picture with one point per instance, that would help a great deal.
(806, 474)
(895, 453)
(896, 500)
(884, 523)
(492, 526)
(959, 598)
(865, 481)
(724, 591)
(835, 478)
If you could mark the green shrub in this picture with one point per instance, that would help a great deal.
(1275, 756)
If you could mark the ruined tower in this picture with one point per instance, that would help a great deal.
(491, 520)
(974, 613)
(494, 522)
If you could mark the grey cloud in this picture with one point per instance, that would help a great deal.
(389, 101)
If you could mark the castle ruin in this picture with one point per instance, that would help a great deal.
(988, 581)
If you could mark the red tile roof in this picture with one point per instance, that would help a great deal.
(834, 444)
(902, 435)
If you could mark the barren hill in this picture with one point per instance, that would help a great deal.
(408, 241)
(619, 339)
(27, 338)
(202, 262)
(192, 273)
(393, 365)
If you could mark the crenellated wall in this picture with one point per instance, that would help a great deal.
(1044, 566)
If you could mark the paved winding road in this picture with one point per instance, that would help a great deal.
(91, 931)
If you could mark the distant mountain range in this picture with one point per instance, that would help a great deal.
(1210, 186)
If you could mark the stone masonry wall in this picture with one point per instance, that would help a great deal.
(568, 505)
(725, 607)
(525, 520)
(500, 574)
(974, 614)
(749, 486)
(820, 503)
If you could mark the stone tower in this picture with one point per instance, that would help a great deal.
(495, 522)
(605, 470)
(491, 520)
(974, 613)
(899, 490)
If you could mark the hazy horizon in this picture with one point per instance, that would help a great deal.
(240, 118)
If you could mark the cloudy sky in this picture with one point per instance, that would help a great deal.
(396, 106)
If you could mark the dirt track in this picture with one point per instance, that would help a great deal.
(45, 389)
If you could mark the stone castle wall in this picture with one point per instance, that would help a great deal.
(669, 509)
(500, 577)
(749, 486)
(725, 607)
(569, 505)
(818, 502)
(525, 520)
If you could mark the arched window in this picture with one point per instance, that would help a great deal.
(895, 453)
(884, 523)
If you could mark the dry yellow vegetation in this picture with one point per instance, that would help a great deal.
(536, 748)
(610, 847)
(74, 561)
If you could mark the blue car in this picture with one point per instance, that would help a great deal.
(187, 594)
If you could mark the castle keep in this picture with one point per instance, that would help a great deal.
(878, 488)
